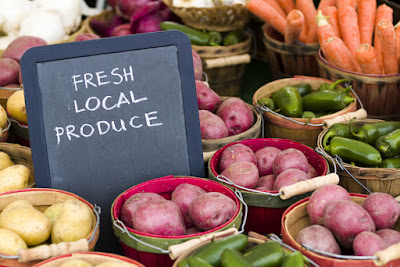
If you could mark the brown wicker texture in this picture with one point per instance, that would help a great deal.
(380, 94)
(212, 145)
(41, 199)
(278, 127)
(104, 16)
(225, 80)
(219, 18)
(386, 180)
(288, 60)
(20, 155)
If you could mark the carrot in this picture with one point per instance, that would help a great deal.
(294, 26)
(332, 16)
(338, 54)
(325, 29)
(367, 60)
(345, 3)
(382, 12)
(286, 5)
(397, 29)
(387, 38)
(274, 4)
(348, 24)
(366, 20)
(309, 12)
(324, 3)
(268, 14)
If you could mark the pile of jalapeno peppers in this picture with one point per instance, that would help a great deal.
(300, 101)
(232, 252)
(370, 145)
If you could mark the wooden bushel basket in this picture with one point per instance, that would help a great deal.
(386, 180)
(287, 60)
(296, 218)
(41, 199)
(278, 127)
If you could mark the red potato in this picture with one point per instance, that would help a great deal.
(211, 210)
(289, 177)
(18, 47)
(183, 196)
(211, 126)
(242, 173)
(318, 237)
(197, 65)
(266, 182)
(130, 205)
(235, 153)
(193, 230)
(265, 158)
(346, 219)
(121, 30)
(159, 217)
(311, 171)
(320, 197)
(86, 36)
(9, 71)
(389, 235)
(368, 243)
(206, 97)
(383, 208)
(290, 159)
(236, 114)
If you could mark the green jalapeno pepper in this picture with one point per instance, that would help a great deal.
(353, 150)
(267, 254)
(233, 258)
(308, 115)
(288, 100)
(390, 163)
(370, 132)
(197, 262)
(184, 263)
(294, 259)
(233, 37)
(212, 252)
(389, 144)
(331, 86)
(303, 88)
(196, 37)
(338, 129)
(325, 101)
(268, 102)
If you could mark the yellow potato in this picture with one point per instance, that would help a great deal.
(16, 106)
(16, 203)
(115, 264)
(5, 160)
(75, 222)
(3, 118)
(33, 226)
(54, 211)
(15, 177)
(10, 242)
(76, 263)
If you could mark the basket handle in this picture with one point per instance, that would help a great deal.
(307, 185)
(359, 114)
(177, 250)
(46, 251)
(226, 61)
(387, 255)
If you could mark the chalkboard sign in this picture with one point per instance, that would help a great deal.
(107, 114)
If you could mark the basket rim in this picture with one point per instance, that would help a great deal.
(172, 7)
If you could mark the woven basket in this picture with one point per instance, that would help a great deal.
(219, 18)
(20, 155)
(104, 16)
(41, 199)
(386, 180)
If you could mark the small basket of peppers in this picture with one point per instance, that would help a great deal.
(367, 152)
(297, 108)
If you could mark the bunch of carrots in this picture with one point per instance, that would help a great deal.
(354, 35)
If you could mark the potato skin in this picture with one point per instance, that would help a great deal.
(159, 217)
(9, 71)
(235, 153)
(383, 208)
(320, 197)
(389, 235)
(197, 65)
(20, 45)
(14, 177)
(290, 159)
(346, 219)
(289, 177)
(368, 243)
(318, 237)
(311, 171)
(242, 173)
(207, 99)
(129, 207)
(266, 182)
(265, 158)
(211, 210)
(211, 126)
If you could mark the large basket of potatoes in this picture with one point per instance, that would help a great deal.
(39, 223)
